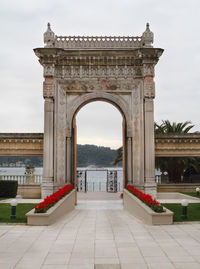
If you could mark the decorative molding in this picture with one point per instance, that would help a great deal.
(90, 71)
(49, 70)
(148, 70)
(98, 42)
(61, 125)
(106, 85)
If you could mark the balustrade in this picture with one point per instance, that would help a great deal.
(24, 179)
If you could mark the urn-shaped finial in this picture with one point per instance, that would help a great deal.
(147, 37)
(49, 37)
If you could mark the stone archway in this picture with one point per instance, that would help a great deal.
(78, 70)
(121, 107)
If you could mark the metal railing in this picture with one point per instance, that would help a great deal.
(97, 186)
(99, 180)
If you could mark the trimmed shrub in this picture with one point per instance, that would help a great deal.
(8, 188)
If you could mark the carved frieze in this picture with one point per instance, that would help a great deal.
(108, 85)
(96, 71)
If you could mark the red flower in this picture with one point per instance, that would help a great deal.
(49, 201)
(146, 198)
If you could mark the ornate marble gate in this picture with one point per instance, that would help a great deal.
(79, 70)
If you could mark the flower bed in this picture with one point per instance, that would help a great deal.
(147, 199)
(51, 200)
(142, 210)
(57, 211)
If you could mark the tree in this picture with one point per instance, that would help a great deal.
(175, 166)
(119, 156)
(166, 127)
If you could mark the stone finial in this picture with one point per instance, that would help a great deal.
(147, 37)
(49, 37)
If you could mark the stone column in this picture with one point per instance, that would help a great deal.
(68, 160)
(149, 159)
(47, 180)
(129, 161)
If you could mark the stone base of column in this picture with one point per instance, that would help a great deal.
(151, 188)
(47, 187)
(139, 187)
(58, 186)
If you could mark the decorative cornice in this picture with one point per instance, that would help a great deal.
(21, 135)
(178, 138)
(159, 138)
(97, 42)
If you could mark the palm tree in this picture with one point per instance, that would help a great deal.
(175, 166)
(166, 127)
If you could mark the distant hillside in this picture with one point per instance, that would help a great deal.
(95, 155)
(86, 155)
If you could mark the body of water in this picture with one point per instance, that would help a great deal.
(95, 179)
(18, 170)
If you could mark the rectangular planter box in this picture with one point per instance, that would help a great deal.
(137, 208)
(65, 205)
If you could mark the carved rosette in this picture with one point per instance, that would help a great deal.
(48, 88)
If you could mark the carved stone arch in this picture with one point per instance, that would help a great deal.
(117, 101)
(80, 101)
(118, 70)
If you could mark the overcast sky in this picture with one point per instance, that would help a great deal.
(175, 24)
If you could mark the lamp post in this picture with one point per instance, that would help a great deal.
(184, 204)
(197, 191)
(13, 204)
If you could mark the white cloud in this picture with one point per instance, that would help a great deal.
(174, 23)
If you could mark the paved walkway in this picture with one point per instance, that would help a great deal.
(91, 238)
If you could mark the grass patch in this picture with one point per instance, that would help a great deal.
(22, 209)
(193, 194)
(193, 211)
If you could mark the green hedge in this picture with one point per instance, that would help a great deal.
(8, 188)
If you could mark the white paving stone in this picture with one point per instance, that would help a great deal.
(99, 236)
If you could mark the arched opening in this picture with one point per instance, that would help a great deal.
(97, 122)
